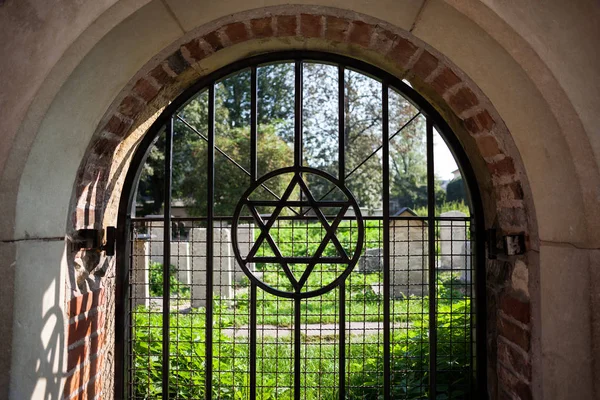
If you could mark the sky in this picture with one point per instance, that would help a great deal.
(444, 163)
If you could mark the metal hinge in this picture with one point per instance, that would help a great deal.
(91, 239)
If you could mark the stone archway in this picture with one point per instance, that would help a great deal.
(481, 131)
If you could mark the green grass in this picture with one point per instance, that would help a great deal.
(319, 354)
(364, 364)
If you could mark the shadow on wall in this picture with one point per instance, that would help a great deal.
(40, 325)
(50, 356)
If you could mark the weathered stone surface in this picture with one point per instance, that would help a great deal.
(222, 265)
(371, 261)
(455, 248)
(140, 265)
(408, 258)
(245, 237)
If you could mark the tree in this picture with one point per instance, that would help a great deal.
(455, 191)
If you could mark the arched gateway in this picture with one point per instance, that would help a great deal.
(283, 235)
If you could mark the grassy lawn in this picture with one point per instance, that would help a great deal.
(320, 353)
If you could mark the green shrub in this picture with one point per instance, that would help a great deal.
(156, 282)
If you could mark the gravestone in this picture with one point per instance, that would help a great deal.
(371, 261)
(454, 245)
(409, 256)
(140, 265)
(245, 237)
(222, 264)
(180, 251)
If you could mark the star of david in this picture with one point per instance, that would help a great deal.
(307, 202)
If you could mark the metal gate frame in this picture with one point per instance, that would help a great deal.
(433, 118)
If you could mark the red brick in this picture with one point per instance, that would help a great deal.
(515, 359)
(79, 354)
(196, 52)
(86, 216)
(161, 76)
(311, 26)
(479, 123)
(402, 51)
(488, 146)
(463, 100)
(85, 302)
(214, 40)
(361, 33)
(286, 25)
(261, 27)
(177, 62)
(337, 28)
(514, 333)
(85, 327)
(82, 375)
(507, 380)
(236, 32)
(444, 81)
(383, 41)
(523, 390)
(92, 390)
(117, 126)
(485, 120)
(515, 308)
(425, 65)
(511, 191)
(505, 166)
(131, 106)
(512, 219)
(145, 89)
(104, 147)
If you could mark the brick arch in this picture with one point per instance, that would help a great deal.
(480, 129)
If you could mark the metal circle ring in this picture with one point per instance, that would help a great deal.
(297, 177)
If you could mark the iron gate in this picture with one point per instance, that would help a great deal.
(283, 283)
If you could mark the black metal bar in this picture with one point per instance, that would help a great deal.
(297, 203)
(253, 125)
(297, 347)
(253, 177)
(298, 114)
(386, 242)
(166, 310)
(306, 217)
(342, 178)
(123, 310)
(299, 260)
(431, 257)
(341, 125)
(253, 339)
(209, 240)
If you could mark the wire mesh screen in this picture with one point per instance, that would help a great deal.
(359, 302)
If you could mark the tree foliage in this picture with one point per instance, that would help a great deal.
(362, 136)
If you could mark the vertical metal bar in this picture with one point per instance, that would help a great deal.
(209, 240)
(386, 242)
(341, 125)
(341, 177)
(297, 162)
(123, 310)
(167, 258)
(253, 125)
(297, 347)
(253, 177)
(298, 114)
(431, 254)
